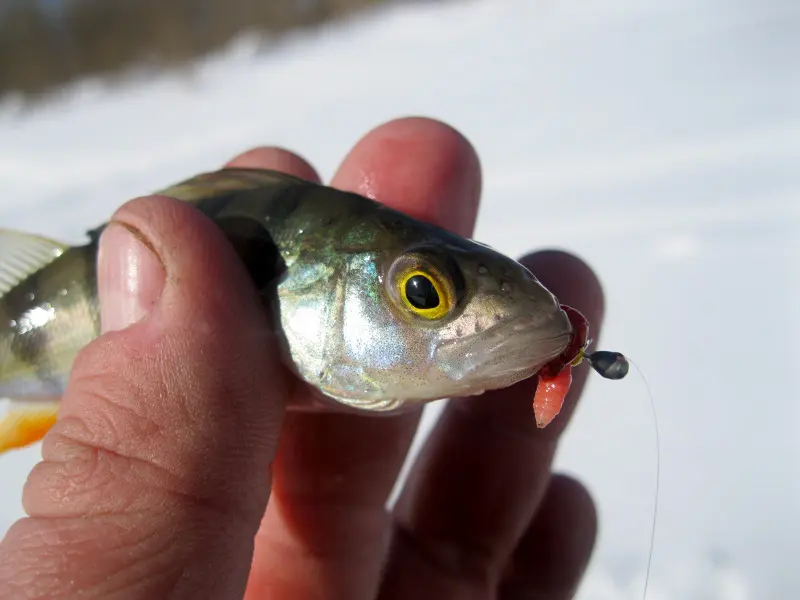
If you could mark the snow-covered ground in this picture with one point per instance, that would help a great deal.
(659, 140)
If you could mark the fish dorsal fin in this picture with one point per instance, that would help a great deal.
(212, 190)
(225, 181)
(22, 254)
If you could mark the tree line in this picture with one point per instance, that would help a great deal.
(44, 45)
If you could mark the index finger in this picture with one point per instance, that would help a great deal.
(400, 164)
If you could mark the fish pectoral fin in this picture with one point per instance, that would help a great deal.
(255, 247)
(22, 254)
(23, 426)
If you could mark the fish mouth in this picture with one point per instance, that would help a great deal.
(508, 351)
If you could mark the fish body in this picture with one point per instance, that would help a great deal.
(374, 310)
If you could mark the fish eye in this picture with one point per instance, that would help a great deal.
(424, 294)
(420, 291)
(421, 288)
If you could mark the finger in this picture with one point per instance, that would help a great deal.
(422, 167)
(277, 159)
(152, 483)
(553, 554)
(326, 523)
(483, 472)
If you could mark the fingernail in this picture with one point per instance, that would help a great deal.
(130, 278)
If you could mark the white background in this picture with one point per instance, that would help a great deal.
(660, 141)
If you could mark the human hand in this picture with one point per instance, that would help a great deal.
(173, 471)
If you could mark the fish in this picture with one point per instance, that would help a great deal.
(376, 311)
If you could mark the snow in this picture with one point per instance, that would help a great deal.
(659, 140)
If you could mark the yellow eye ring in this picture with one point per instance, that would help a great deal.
(424, 293)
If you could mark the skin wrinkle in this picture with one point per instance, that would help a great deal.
(145, 543)
(185, 416)
(138, 423)
(151, 546)
(102, 433)
(88, 471)
(120, 470)
(130, 404)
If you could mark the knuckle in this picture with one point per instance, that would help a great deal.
(104, 443)
(459, 557)
(105, 404)
(101, 557)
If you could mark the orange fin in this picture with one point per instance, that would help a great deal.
(27, 425)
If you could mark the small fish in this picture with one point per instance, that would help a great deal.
(374, 310)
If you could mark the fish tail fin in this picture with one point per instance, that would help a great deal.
(22, 254)
(48, 312)
(26, 424)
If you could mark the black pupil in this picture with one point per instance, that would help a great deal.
(421, 293)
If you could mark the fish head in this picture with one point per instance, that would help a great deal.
(504, 326)
(441, 317)
(475, 319)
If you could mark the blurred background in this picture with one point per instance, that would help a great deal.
(659, 141)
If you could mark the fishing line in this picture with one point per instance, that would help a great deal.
(658, 477)
(614, 365)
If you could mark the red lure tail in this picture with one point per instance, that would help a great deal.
(555, 377)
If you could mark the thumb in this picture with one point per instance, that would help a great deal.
(155, 477)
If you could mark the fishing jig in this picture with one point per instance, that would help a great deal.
(555, 378)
